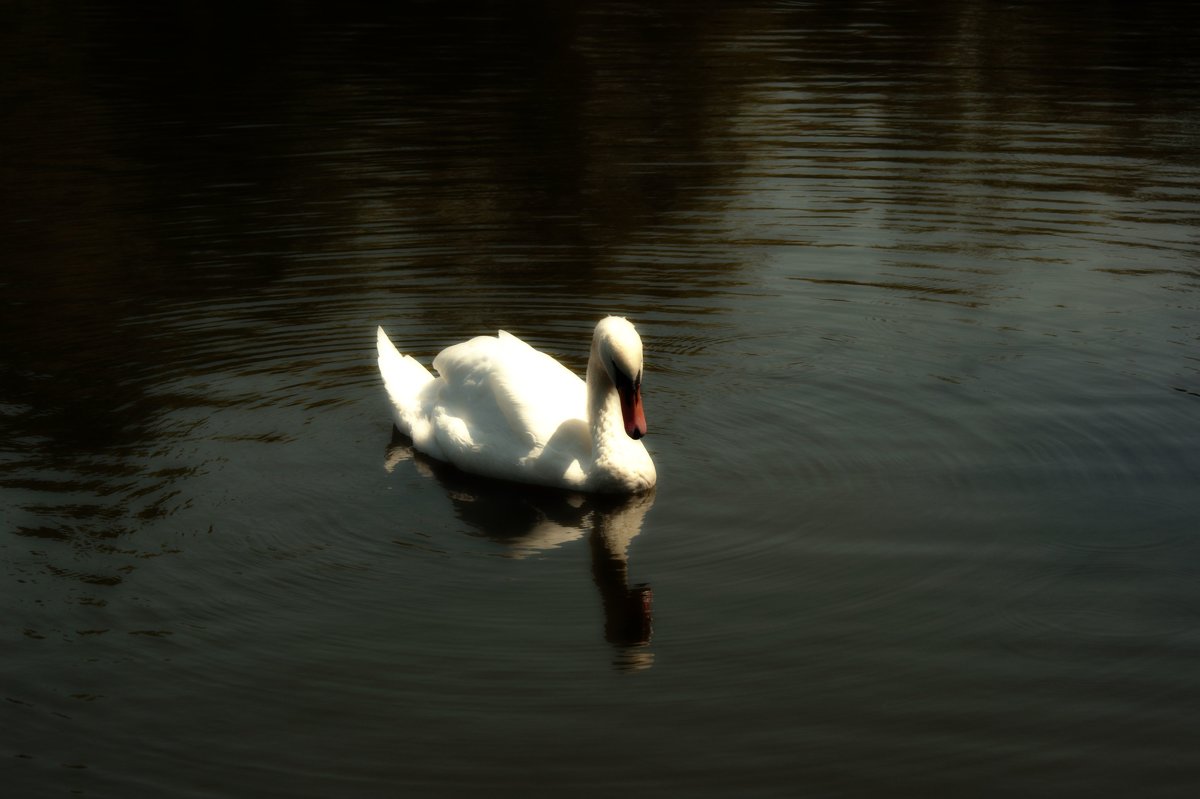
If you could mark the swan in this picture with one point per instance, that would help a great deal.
(501, 409)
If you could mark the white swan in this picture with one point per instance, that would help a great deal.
(502, 409)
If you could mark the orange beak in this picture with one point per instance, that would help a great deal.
(632, 413)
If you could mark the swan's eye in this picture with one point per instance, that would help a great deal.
(621, 378)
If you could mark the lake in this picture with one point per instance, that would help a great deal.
(919, 287)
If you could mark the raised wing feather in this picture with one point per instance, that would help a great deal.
(410, 387)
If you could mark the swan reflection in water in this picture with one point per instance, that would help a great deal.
(527, 520)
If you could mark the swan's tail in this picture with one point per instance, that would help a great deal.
(404, 378)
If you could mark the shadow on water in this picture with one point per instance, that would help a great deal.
(528, 520)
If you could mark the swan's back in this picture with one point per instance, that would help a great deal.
(502, 388)
(532, 393)
(493, 408)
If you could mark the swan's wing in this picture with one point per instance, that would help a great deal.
(502, 385)
(537, 392)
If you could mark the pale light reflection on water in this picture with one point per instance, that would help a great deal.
(919, 291)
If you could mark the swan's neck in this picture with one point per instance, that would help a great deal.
(619, 463)
(605, 422)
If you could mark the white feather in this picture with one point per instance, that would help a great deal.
(500, 408)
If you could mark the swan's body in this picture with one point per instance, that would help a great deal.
(500, 408)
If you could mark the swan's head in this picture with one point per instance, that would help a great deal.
(619, 348)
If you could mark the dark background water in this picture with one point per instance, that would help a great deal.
(920, 291)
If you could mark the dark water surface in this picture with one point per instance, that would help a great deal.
(920, 291)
